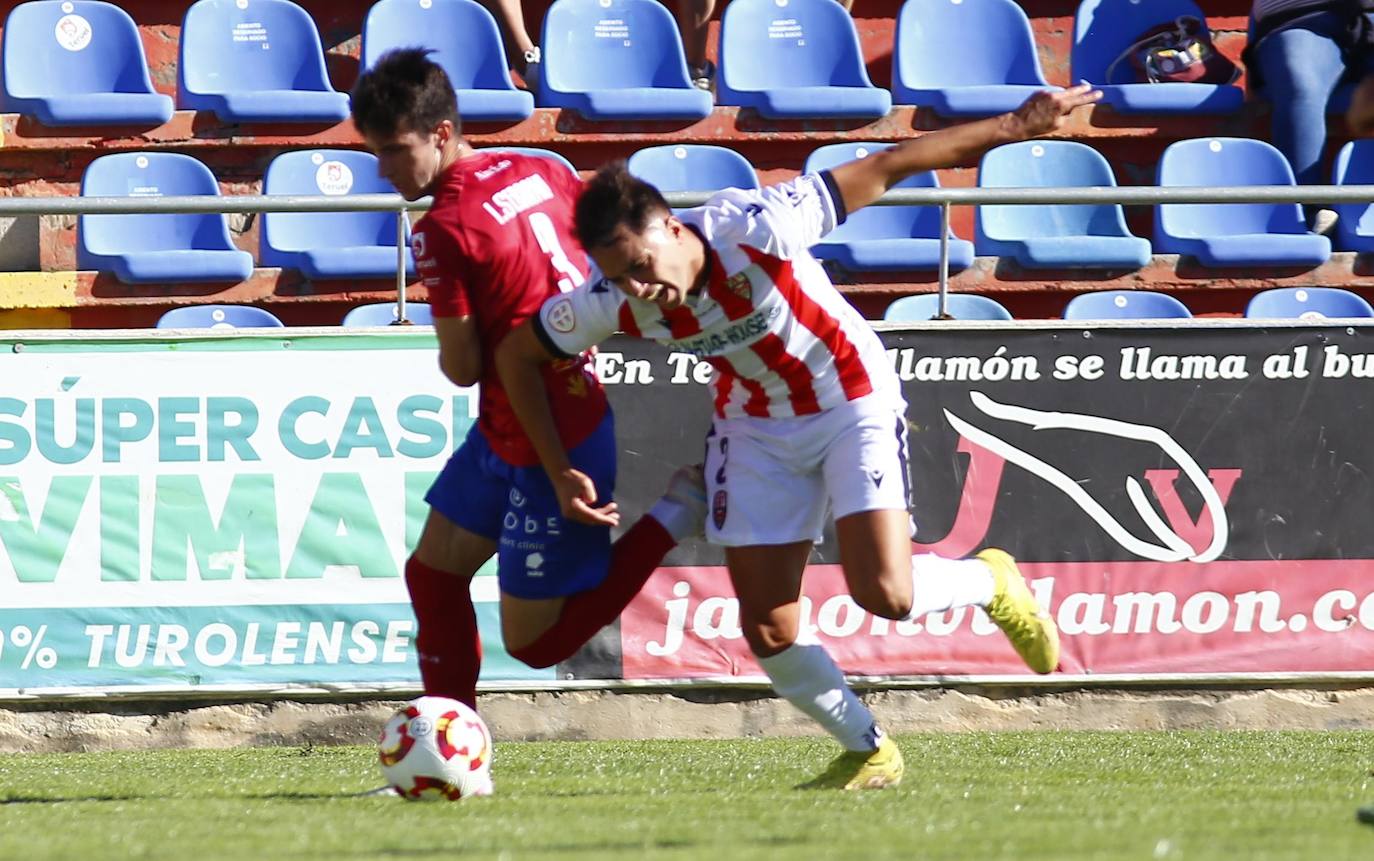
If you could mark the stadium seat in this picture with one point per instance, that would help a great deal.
(1125, 305)
(219, 317)
(78, 63)
(617, 60)
(255, 61)
(795, 59)
(693, 167)
(329, 245)
(960, 306)
(534, 150)
(153, 248)
(463, 36)
(1233, 234)
(933, 67)
(1053, 236)
(1355, 166)
(886, 237)
(384, 314)
(1104, 29)
(1308, 303)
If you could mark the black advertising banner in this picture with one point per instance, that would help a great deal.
(1186, 500)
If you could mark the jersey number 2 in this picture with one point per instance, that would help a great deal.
(547, 237)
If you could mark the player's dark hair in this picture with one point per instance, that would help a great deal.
(404, 91)
(612, 197)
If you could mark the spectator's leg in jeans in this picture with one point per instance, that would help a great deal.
(693, 21)
(1302, 67)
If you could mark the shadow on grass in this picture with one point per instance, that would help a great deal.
(592, 849)
(34, 799)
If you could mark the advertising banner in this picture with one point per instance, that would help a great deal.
(230, 513)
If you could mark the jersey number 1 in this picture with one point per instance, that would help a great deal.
(547, 237)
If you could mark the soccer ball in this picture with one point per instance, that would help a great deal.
(436, 748)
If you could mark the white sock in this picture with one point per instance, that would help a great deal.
(943, 584)
(806, 676)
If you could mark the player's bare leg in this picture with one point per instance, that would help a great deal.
(886, 580)
(767, 580)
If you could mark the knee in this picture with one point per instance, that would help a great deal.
(769, 637)
(887, 596)
(533, 656)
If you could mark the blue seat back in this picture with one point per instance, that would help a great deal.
(1047, 164)
(693, 167)
(960, 306)
(219, 317)
(878, 222)
(931, 50)
(331, 172)
(1297, 302)
(537, 151)
(610, 45)
(1125, 305)
(94, 48)
(384, 314)
(229, 46)
(1355, 166)
(806, 43)
(1222, 162)
(150, 174)
(1103, 29)
(461, 33)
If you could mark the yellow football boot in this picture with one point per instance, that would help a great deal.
(1031, 631)
(858, 769)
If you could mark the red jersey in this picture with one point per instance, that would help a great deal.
(495, 244)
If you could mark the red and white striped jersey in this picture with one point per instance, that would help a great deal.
(781, 338)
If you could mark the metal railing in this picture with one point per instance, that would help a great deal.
(941, 197)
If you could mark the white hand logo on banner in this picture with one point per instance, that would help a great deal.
(1173, 547)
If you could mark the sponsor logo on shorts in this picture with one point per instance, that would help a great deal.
(877, 476)
(517, 499)
(720, 507)
(534, 565)
(561, 316)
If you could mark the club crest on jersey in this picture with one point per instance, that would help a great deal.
(561, 316)
(740, 285)
(720, 507)
(417, 243)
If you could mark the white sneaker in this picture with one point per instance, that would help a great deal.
(531, 75)
(682, 509)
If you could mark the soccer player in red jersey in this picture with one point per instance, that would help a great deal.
(496, 244)
(807, 406)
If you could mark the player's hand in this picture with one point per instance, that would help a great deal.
(577, 498)
(1045, 111)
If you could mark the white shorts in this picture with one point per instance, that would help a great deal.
(775, 480)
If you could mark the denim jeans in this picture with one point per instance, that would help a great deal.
(1302, 66)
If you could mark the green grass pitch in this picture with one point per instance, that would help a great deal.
(1029, 795)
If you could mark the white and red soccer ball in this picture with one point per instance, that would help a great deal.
(435, 748)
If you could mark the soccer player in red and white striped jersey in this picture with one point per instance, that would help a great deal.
(807, 407)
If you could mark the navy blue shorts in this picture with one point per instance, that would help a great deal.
(539, 554)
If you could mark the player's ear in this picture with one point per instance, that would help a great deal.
(674, 225)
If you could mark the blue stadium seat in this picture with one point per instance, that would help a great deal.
(933, 67)
(1051, 236)
(1355, 166)
(534, 150)
(795, 59)
(693, 167)
(1233, 234)
(617, 60)
(219, 317)
(384, 314)
(466, 43)
(255, 61)
(1308, 303)
(78, 63)
(1125, 305)
(156, 248)
(960, 306)
(1103, 29)
(886, 237)
(329, 245)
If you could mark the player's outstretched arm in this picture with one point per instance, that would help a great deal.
(519, 361)
(863, 181)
